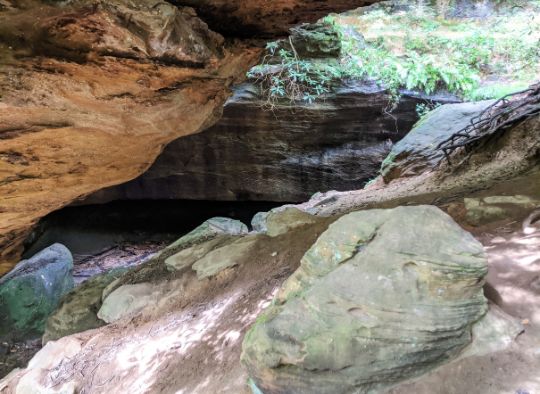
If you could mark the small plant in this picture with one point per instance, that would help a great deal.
(291, 79)
(423, 109)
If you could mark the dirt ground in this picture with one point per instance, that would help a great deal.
(514, 275)
(190, 343)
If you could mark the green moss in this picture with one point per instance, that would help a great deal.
(496, 91)
(388, 163)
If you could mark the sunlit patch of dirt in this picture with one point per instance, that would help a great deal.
(514, 285)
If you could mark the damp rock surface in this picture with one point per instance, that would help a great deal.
(283, 155)
(30, 292)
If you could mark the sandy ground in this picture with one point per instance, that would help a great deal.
(514, 285)
(191, 342)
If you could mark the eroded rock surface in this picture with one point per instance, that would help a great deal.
(77, 310)
(383, 295)
(281, 220)
(92, 91)
(263, 18)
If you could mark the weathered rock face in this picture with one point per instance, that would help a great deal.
(114, 88)
(418, 151)
(92, 91)
(383, 295)
(282, 155)
(32, 291)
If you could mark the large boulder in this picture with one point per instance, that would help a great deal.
(418, 152)
(77, 310)
(31, 292)
(383, 295)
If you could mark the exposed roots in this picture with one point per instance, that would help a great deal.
(502, 115)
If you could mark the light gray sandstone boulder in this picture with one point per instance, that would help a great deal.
(280, 220)
(382, 296)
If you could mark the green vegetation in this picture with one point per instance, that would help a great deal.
(416, 49)
(293, 78)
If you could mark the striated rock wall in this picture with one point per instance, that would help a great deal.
(282, 155)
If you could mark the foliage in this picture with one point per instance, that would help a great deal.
(424, 108)
(292, 78)
(422, 51)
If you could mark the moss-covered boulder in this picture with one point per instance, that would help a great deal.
(78, 309)
(281, 220)
(383, 295)
(31, 292)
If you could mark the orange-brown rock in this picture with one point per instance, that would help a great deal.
(98, 110)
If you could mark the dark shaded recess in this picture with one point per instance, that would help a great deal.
(263, 18)
(90, 229)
